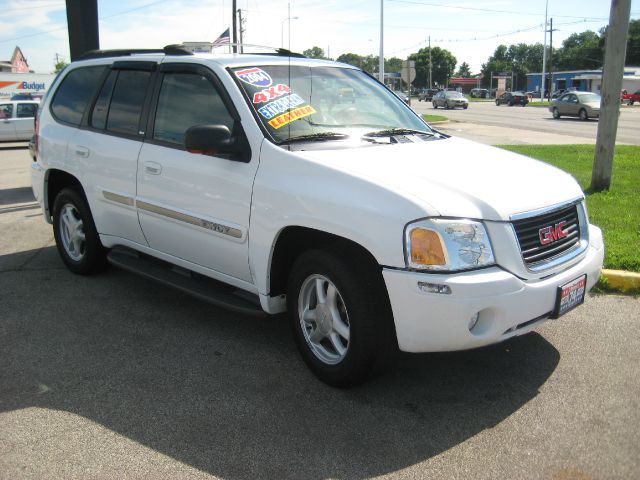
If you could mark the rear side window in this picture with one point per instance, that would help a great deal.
(126, 101)
(75, 92)
(6, 110)
(187, 99)
(26, 110)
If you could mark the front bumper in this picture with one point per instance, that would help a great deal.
(507, 305)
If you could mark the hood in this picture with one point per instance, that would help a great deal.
(455, 177)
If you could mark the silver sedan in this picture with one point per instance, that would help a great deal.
(584, 105)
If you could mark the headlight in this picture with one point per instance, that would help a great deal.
(447, 245)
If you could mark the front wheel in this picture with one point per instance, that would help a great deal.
(497, 103)
(75, 233)
(434, 105)
(556, 113)
(338, 319)
(583, 114)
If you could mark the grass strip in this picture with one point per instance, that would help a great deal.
(434, 118)
(616, 211)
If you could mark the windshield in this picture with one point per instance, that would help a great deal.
(453, 94)
(322, 102)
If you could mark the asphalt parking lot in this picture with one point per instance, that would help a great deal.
(113, 376)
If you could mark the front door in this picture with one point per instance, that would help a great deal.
(194, 207)
(7, 128)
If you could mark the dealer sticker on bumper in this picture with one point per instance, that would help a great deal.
(570, 296)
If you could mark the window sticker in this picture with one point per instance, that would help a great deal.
(280, 105)
(270, 93)
(254, 76)
(291, 116)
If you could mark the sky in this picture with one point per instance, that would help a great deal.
(470, 29)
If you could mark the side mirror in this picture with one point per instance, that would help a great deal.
(210, 140)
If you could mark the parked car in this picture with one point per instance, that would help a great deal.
(374, 232)
(480, 93)
(427, 94)
(584, 105)
(512, 98)
(631, 98)
(449, 99)
(17, 119)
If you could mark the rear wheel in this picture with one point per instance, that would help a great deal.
(555, 112)
(338, 320)
(75, 233)
(583, 114)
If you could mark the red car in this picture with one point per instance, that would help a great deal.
(630, 98)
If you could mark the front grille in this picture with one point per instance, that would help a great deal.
(528, 233)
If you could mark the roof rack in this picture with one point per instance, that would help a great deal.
(281, 52)
(168, 50)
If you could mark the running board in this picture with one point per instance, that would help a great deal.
(217, 293)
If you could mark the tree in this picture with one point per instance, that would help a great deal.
(393, 64)
(59, 65)
(443, 65)
(314, 52)
(633, 43)
(580, 51)
(464, 70)
(518, 59)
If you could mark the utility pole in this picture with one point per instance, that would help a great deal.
(241, 21)
(544, 55)
(235, 27)
(381, 62)
(430, 67)
(613, 70)
(550, 58)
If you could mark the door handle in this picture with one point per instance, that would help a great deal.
(82, 151)
(152, 168)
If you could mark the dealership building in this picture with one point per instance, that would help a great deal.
(584, 80)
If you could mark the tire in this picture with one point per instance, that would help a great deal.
(583, 114)
(465, 107)
(497, 103)
(434, 105)
(340, 316)
(555, 113)
(75, 233)
(510, 103)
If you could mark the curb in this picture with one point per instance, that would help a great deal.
(624, 281)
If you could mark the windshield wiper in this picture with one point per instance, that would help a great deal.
(397, 131)
(315, 137)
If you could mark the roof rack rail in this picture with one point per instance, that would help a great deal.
(281, 52)
(168, 50)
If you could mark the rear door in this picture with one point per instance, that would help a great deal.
(108, 148)
(194, 207)
(25, 113)
(7, 127)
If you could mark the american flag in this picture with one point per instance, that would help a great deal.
(222, 39)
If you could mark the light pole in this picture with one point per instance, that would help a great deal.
(288, 19)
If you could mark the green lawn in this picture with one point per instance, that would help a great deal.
(434, 118)
(616, 211)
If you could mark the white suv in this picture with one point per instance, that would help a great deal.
(278, 183)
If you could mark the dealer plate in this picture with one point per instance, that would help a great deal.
(570, 295)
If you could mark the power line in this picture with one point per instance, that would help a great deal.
(490, 10)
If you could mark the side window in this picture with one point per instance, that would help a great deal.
(6, 110)
(126, 101)
(26, 110)
(98, 117)
(74, 93)
(185, 100)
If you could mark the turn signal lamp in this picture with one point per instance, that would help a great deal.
(426, 248)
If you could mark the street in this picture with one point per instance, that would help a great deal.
(113, 376)
(528, 124)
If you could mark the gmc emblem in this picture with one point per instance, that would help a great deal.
(550, 233)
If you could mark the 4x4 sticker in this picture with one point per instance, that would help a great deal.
(291, 116)
(270, 93)
(280, 105)
(254, 76)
